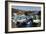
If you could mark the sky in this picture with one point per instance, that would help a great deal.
(30, 8)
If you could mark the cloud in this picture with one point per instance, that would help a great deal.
(32, 8)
